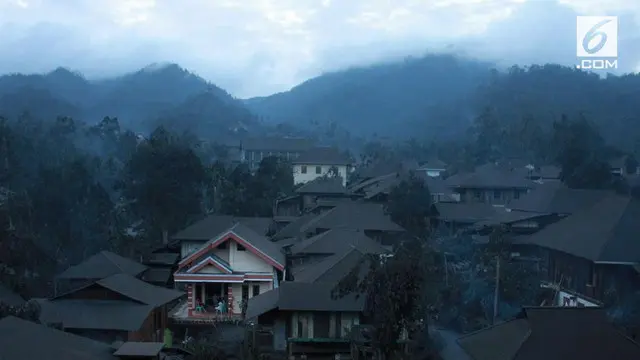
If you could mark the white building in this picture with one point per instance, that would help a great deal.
(319, 162)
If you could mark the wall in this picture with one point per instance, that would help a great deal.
(236, 291)
(340, 323)
(246, 261)
(147, 331)
(240, 261)
(300, 178)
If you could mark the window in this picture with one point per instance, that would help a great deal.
(516, 194)
(477, 194)
(497, 194)
(318, 169)
(256, 290)
(303, 169)
(241, 248)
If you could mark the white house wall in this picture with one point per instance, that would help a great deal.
(246, 261)
(300, 178)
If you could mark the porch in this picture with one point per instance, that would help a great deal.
(182, 315)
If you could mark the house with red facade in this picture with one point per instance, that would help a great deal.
(223, 273)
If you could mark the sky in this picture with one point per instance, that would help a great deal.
(259, 47)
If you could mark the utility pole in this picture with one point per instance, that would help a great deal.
(497, 293)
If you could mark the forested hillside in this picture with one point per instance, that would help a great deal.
(437, 97)
(156, 95)
(376, 99)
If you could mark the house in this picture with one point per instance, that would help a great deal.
(23, 340)
(194, 236)
(432, 168)
(253, 150)
(94, 268)
(320, 194)
(592, 252)
(439, 190)
(230, 268)
(321, 161)
(306, 319)
(117, 308)
(545, 173)
(491, 184)
(551, 333)
(556, 198)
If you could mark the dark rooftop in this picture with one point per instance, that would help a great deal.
(603, 232)
(295, 296)
(24, 340)
(552, 333)
(94, 314)
(354, 215)
(213, 225)
(468, 213)
(556, 198)
(337, 241)
(102, 265)
(490, 176)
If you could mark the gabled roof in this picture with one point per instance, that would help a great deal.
(139, 290)
(323, 156)
(102, 265)
(331, 269)
(132, 288)
(293, 229)
(552, 333)
(323, 185)
(295, 296)
(94, 314)
(23, 340)
(354, 215)
(556, 198)
(337, 241)
(257, 244)
(168, 259)
(490, 176)
(213, 225)
(604, 232)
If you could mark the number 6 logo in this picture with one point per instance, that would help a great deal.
(597, 36)
(593, 33)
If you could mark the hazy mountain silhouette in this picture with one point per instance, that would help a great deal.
(376, 99)
(157, 94)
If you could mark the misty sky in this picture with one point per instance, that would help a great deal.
(258, 47)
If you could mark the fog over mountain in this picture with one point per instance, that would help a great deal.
(256, 48)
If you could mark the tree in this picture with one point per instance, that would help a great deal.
(163, 182)
(273, 180)
(579, 152)
(410, 205)
(398, 292)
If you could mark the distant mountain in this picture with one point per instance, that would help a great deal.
(157, 94)
(381, 99)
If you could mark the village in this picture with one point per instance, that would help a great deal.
(267, 283)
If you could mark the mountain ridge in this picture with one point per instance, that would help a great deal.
(154, 95)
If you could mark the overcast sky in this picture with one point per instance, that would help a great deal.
(258, 47)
